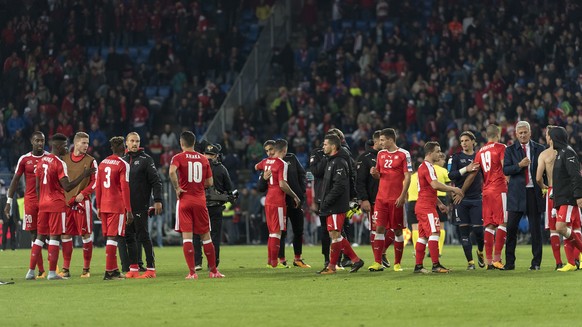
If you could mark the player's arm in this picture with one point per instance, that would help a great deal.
(226, 181)
(541, 170)
(405, 185)
(174, 180)
(90, 188)
(155, 181)
(10, 194)
(340, 183)
(301, 174)
(285, 188)
(69, 185)
(124, 183)
(262, 184)
(208, 182)
(362, 172)
(317, 163)
(573, 167)
(435, 184)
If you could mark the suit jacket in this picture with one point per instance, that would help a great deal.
(516, 192)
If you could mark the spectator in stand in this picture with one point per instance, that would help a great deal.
(168, 137)
(140, 117)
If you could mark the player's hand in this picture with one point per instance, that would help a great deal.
(267, 174)
(524, 162)
(7, 209)
(400, 201)
(79, 198)
(89, 172)
(457, 199)
(157, 208)
(366, 206)
(129, 218)
(179, 191)
(458, 191)
(473, 166)
(374, 172)
(297, 202)
(98, 214)
(443, 208)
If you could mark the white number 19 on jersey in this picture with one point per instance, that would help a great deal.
(486, 160)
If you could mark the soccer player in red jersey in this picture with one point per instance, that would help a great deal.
(52, 182)
(426, 209)
(26, 166)
(490, 159)
(393, 168)
(79, 210)
(113, 186)
(275, 205)
(190, 174)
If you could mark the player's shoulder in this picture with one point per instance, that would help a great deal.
(404, 151)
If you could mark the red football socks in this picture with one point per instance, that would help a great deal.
(67, 245)
(87, 253)
(111, 256)
(500, 237)
(188, 249)
(210, 254)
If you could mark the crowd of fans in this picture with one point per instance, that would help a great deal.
(109, 66)
(429, 68)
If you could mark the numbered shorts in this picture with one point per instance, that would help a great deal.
(191, 218)
(570, 215)
(276, 218)
(30, 221)
(388, 215)
(113, 224)
(428, 223)
(469, 212)
(551, 213)
(494, 209)
(51, 223)
(335, 221)
(79, 219)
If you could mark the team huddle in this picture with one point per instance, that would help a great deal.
(59, 186)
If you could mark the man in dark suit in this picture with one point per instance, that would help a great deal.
(524, 196)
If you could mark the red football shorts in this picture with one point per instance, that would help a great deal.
(570, 215)
(71, 222)
(112, 224)
(276, 221)
(51, 223)
(388, 215)
(335, 221)
(191, 218)
(494, 209)
(428, 223)
(550, 221)
(30, 216)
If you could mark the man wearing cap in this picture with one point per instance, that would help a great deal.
(222, 186)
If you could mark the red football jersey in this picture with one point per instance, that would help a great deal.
(50, 170)
(193, 170)
(278, 167)
(113, 185)
(427, 196)
(490, 157)
(392, 166)
(27, 165)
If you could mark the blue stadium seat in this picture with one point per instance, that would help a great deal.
(361, 25)
(253, 34)
(347, 24)
(372, 24)
(225, 87)
(151, 91)
(164, 91)
(247, 15)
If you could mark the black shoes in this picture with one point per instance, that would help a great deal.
(356, 266)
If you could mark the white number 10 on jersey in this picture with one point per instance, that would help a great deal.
(194, 172)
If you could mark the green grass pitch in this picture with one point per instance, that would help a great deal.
(251, 295)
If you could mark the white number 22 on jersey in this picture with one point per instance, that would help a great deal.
(388, 163)
(194, 172)
(486, 160)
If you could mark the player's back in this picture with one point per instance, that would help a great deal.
(278, 168)
(27, 166)
(427, 196)
(113, 185)
(392, 166)
(490, 157)
(50, 170)
(549, 157)
(193, 170)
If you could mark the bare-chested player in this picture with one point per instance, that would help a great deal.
(545, 167)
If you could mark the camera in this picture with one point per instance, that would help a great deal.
(233, 196)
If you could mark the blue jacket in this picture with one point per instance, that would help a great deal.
(516, 197)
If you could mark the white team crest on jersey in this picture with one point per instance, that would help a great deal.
(29, 162)
(396, 157)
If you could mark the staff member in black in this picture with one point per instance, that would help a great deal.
(367, 186)
(317, 164)
(143, 179)
(335, 203)
(297, 183)
(215, 200)
(567, 187)
(468, 211)
(524, 195)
